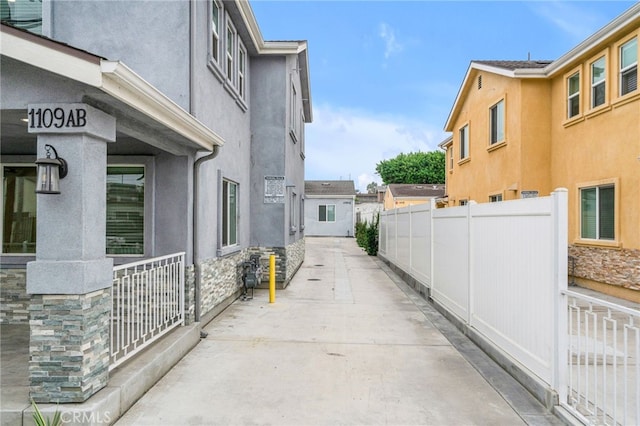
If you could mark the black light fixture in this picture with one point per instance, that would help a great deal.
(50, 171)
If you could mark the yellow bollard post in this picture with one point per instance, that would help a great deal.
(272, 278)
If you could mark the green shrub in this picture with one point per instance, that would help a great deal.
(367, 236)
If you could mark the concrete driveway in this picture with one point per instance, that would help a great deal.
(342, 345)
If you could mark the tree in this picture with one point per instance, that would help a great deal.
(415, 167)
(372, 188)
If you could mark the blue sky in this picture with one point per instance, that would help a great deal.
(384, 74)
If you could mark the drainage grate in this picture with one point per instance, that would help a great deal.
(313, 279)
(318, 265)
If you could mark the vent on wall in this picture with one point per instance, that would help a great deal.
(479, 82)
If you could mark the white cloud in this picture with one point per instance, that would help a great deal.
(347, 144)
(576, 21)
(392, 46)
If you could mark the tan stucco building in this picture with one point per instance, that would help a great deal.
(523, 128)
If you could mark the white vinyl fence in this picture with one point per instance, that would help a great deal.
(501, 269)
(147, 302)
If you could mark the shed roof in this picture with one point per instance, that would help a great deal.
(416, 190)
(329, 187)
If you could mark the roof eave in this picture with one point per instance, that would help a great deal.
(120, 82)
(627, 18)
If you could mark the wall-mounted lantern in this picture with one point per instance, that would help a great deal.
(50, 171)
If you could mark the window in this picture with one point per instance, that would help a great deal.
(229, 213)
(464, 142)
(292, 212)
(327, 213)
(215, 30)
(629, 67)
(242, 66)
(463, 202)
(497, 123)
(293, 127)
(125, 210)
(573, 96)
(25, 14)
(597, 212)
(302, 213)
(18, 209)
(450, 157)
(495, 198)
(230, 52)
(598, 82)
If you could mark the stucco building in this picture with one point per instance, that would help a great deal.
(523, 128)
(329, 208)
(183, 132)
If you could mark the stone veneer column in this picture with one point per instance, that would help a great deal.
(71, 277)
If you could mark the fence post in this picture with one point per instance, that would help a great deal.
(559, 215)
(431, 244)
(470, 256)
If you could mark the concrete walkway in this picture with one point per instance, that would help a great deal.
(345, 343)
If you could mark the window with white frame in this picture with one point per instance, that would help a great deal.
(302, 213)
(293, 200)
(229, 213)
(242, 67)
(496, 117)
(598, 76)
(450, 157)
(463, 202)
(18, 209)
(629, 67)
(464, 142)
(573, 95)
(597, 212)
(230, 52)
(293, 115)
(216, 12)
(327, 213)
(125, 210)
(495, 198)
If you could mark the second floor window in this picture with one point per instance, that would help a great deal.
(464, 142)
(242, 65)
(215, 31)
(497, 123)
(451, 158)
(230, 52)
(573, 95)
(629, 67)
(598, 82)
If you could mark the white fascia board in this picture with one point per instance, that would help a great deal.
(448, 141)
(55, 61)
(125, 85)
(265, 47)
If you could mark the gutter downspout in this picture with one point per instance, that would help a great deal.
(196, 167)
(196, 200)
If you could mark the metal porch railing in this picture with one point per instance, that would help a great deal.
(147, 302)
(603, 376)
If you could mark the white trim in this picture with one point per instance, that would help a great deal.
(123, 84)
(112, 77)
